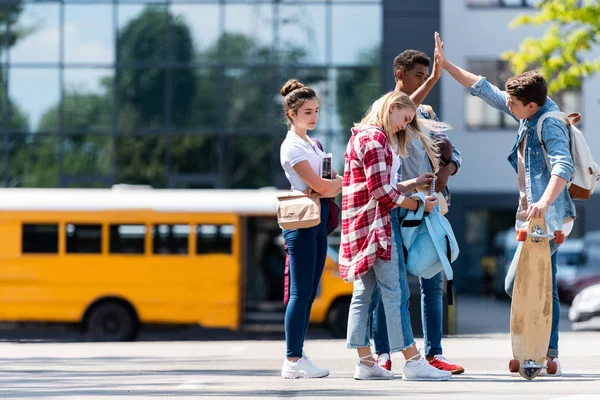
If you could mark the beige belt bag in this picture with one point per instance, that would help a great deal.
(295, 210)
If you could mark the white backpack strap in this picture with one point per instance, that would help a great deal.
(551, 114)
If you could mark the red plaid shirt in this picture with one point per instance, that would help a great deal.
(367, 198)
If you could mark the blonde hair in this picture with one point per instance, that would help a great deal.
(379, 114)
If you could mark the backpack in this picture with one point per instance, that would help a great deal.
(587, 172)
(429, 243)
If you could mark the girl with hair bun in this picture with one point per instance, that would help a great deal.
(307, 247)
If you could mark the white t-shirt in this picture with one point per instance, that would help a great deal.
(396, 162)
(293, 150)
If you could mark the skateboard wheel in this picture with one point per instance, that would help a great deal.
(559, 237)
(552, 368)
(521, 235)
(514, 365)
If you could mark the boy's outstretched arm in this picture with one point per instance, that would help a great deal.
(477, 85)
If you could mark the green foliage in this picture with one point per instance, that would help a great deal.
(357, 89)
(559, 54)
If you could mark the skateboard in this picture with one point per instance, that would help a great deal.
(531, 308)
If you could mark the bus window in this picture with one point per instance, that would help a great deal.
(84, 238)
(40, 238)
(170, 239)
(212, 239)
(127, 239)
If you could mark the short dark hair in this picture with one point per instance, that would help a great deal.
(528, 87)
(406, 61)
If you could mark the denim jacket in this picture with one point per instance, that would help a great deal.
(555, 135)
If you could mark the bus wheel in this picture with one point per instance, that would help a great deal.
(337, 317)
(111, 321)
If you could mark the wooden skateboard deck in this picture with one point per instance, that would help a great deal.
(531, 308)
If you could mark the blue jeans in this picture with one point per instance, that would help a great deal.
(380, 330)
(509, 282)
(385, 275)
(307, 249)
(431, 305)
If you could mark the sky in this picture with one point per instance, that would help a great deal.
(89, 38)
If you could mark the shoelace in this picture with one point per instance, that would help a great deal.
(442, 359)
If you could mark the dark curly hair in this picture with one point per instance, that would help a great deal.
(406, 61)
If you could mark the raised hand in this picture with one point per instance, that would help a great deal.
(439, 56)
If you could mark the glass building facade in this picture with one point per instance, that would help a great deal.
(177, 93)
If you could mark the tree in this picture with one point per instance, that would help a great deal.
(560, 54)
(12, 118)
(155, 36)
(357, 88)
(243, 102)
(10, 11)
(152, 37)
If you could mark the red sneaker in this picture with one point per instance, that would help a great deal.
(384, 361)
(440, 362)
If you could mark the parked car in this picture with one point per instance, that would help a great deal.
(585, 310)
(569, 275)
(585, 273)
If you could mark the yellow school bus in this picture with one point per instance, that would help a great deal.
(113, 259)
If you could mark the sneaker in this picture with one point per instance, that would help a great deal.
(558, 370)
(385, 361)
(421, 370)
(303, 368)
(440, 362)
(374, 372)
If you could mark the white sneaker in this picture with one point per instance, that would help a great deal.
(303, 368)
(374, 372)
(558, 370)
(420, 370)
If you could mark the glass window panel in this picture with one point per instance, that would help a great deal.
(142, 97)
(355, 90)
(185, 151)
(212, 239)
(87, 154)
(34, 160)
(127, 239)
(569, 101)
(248, 33)
(4, 158)
(40, 238)
(479, 115)
(88, 100)
(89, 34)
(12, 117)
(203, 22)
(203, 112)
(84, 238)
(252, 100)
(142, 34)
(356, 46)
(140, 160)
(170, 239)
(302, 33)
(42, 44)
(253, 161)
(35, 93)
